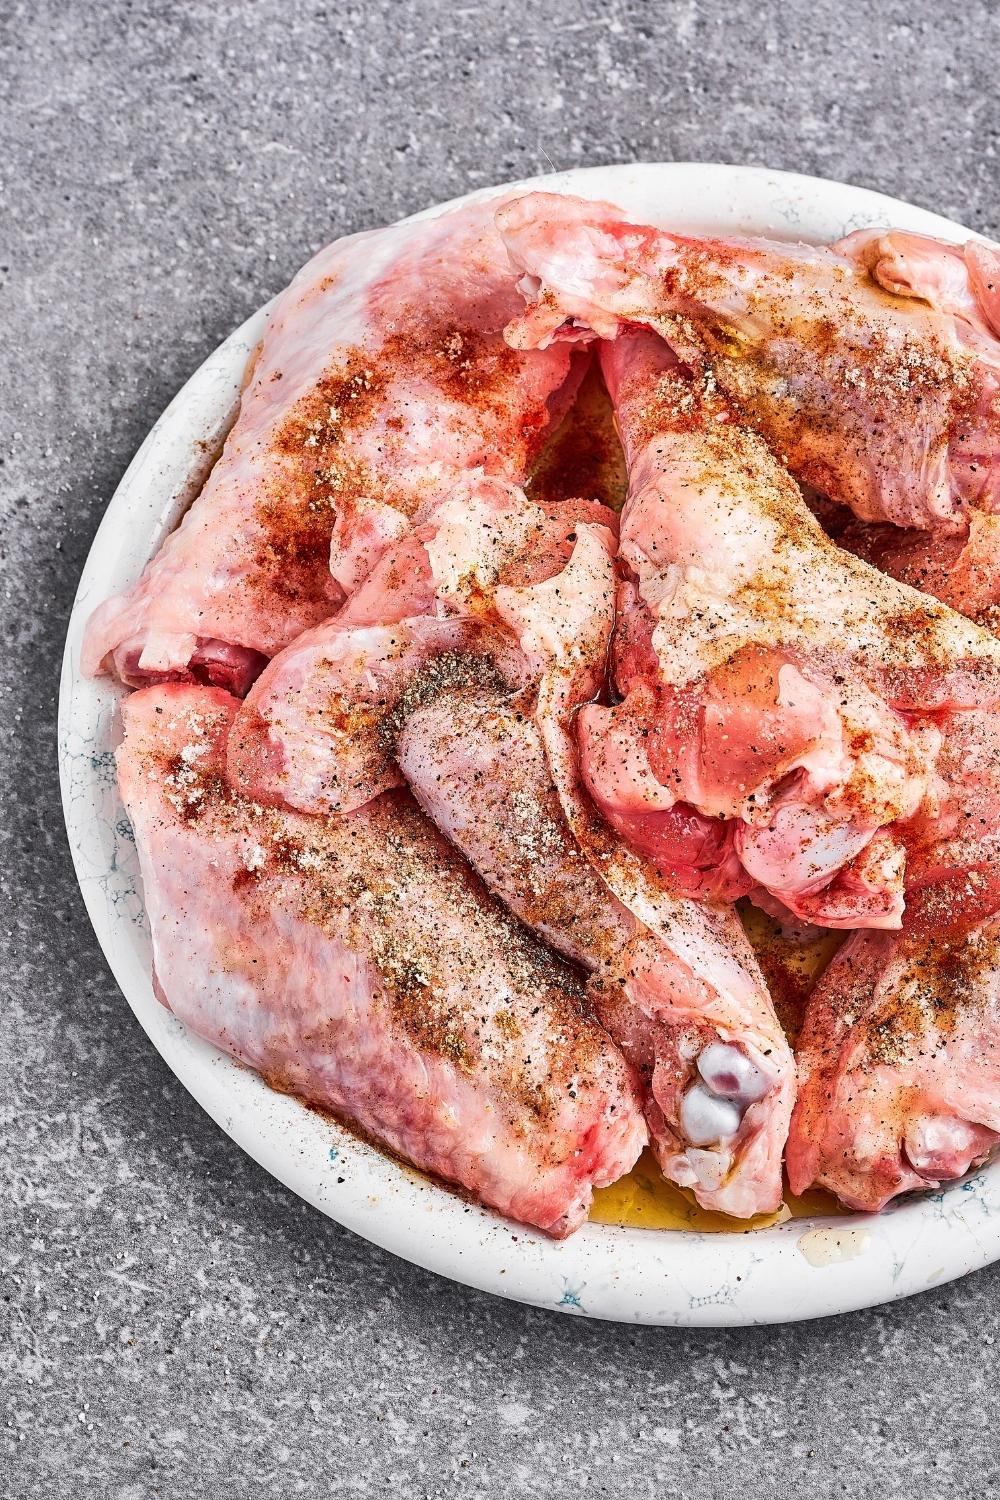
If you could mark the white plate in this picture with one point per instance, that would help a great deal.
(800, 1269)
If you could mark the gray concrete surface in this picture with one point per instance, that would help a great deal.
(172, 1322)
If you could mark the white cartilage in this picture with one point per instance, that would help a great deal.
(729, 1073)
(705, 1118)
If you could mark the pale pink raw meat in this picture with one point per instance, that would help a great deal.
(382, 379)
(871, 366)
(956, 832)
(695, 1019)
(317, 731)
(958, 568)
(899, 1054)
(358, 963)
(768, 679)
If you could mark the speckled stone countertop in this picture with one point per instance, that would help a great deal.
(172, 1321)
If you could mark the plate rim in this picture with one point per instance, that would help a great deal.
(661, 1277)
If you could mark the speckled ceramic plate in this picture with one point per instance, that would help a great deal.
(800, 1269)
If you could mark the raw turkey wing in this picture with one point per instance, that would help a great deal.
(767, 678)
(358, 963)
(695, 1018)
(381, 379)
(872, 366)
(899, 1055)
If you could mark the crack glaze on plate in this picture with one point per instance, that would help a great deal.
(682, 1278)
